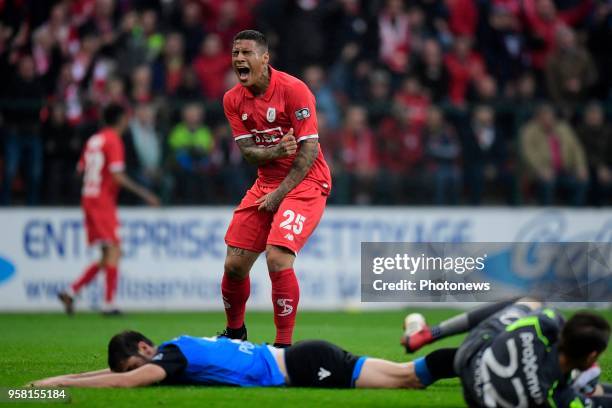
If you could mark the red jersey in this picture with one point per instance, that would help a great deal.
(103, 154)
(286, 104)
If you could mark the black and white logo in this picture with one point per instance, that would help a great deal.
(302, 113)
(323, 373)
(271, 115)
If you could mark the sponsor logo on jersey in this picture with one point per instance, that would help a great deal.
(287, 308)
(323, 373)
(530, 367)
(271, 115)
(302, 113)
(289, 237)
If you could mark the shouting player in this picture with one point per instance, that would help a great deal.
(520, 355)
(102, 166)
(274, 122)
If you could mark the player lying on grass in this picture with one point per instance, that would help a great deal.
(520, 354)
(491, 370)
(135, 361)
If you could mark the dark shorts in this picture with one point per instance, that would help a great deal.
(317, 363)
(477, 341)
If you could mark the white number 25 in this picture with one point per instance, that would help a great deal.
(293, 221)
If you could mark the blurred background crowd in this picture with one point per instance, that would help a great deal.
(443, 102)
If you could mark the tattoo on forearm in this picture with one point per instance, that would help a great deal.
(309, 150)
(254, 154)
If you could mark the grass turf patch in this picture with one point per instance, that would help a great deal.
(41, 345)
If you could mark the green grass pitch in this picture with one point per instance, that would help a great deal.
(40, 345)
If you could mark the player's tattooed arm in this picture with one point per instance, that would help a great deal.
(256, 155)
(302, 163)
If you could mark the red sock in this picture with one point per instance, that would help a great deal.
(85, 278)
(111, 284)
(235, 295)
(285, 299)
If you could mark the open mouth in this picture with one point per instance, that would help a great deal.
(243, 73)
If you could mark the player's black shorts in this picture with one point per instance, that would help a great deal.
(317, 363)
(477, 341)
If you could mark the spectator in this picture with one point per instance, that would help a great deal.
(394, 33)
(415, 103)
(358, 159)
(596, 137)
(378, 97)
(464, 66)
(191, 144)
(47, 58)
(23, 141)
(211, 64)
(599, 40)
(554, 157)
(115, 93)
(154, 38)
(485, 153)
(400, 149)
(444, 152)
(189, 89)
(463, 17)
(349, 23)
(542, 22)
(525, 99)
(57, 28)
(130, 46)
(62, 147)
(314, 77)
(230, 17)
(142, 80)
(192, 29)
(483, 90)
(143, 148)
(432, 72)
(503, 43)
(168, 68)
(570, 71)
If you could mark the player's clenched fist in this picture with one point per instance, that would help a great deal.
(287, 145)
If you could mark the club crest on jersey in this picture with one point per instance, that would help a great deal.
(244, 116)
(302, 113)
(271, 115)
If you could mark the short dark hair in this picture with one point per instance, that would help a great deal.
(584, 333)
(254, 35)
(112, 114)
(123, 346)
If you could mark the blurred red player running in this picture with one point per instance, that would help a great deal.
(102, 165)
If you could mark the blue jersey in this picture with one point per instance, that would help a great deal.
(221, 361)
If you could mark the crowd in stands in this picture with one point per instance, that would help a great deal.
(448, 102)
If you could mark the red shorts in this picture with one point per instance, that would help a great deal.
(290, 226)
(102, 225)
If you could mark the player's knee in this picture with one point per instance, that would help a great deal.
(530, 302)
(235, 269)
(279, 259)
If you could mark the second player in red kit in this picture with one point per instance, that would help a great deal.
(274, 122)
(102, 166)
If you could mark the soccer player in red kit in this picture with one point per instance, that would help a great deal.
(102, 166)
(274, 122)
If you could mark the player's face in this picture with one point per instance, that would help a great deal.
(249, 61)
(134, 362)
